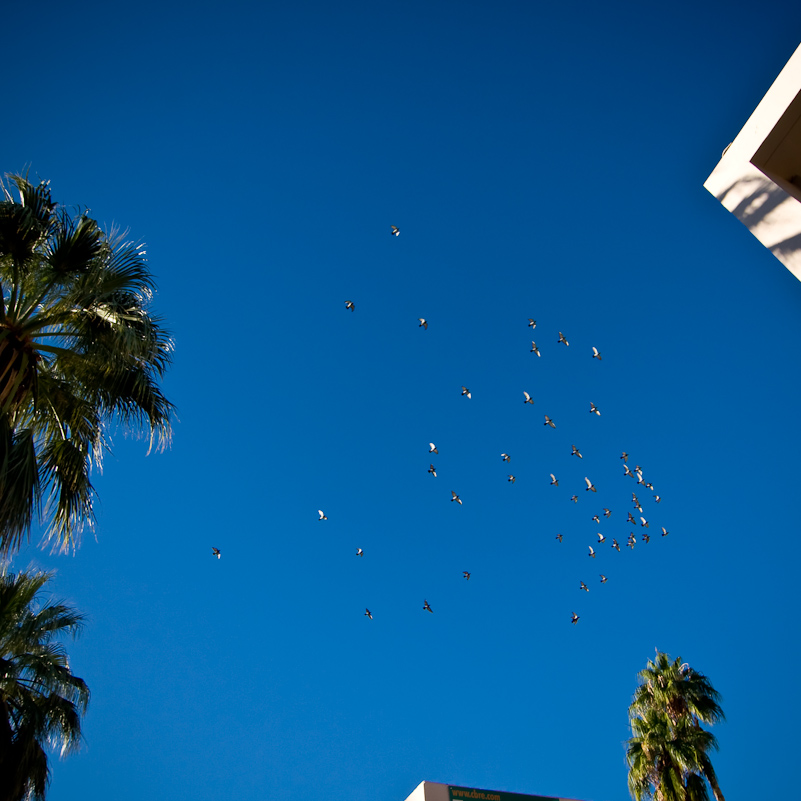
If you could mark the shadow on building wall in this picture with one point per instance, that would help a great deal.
(763, 198)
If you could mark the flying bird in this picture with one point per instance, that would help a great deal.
(532, 323)
(575, 617)
(367, 614)
(625, 456)
(535, 349)
(576, 452)
(511, 479)
(427, 607)
(322, 516)
(349, 304)
(596, 519)
(215, 551)
(562, 339)
(573, 498)
(583, 586)
(615, 545)
(665, 532)
(630, 519)
(359, 552)
(592, 552)
(549, 422)
(594, 408)
(432, 448)
(607, 513)
(644, 522)
(603, 578)
(528, 398)
(456, 498)
(423, 323)
(505, 457)
(601, 538)
(626, 471)
(395, 230)
(631, 543)
(466, 391)
(466, 575)
(432, 470)
(590, 485)
(595, 354)
(555, 482)
(657, 498)
(559, 537)
(646, 537)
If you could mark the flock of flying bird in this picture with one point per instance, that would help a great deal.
(637, 474)
(590, 487)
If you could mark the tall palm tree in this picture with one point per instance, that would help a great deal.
(668, 754)
(79, 350)
(41, 701)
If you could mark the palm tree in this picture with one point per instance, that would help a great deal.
(41, 701)
(668, 754)
(79, 350)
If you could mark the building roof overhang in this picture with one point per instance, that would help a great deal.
(758, 178)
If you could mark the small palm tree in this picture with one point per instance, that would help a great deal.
(668, 754)
(41, 701)
(78, 350)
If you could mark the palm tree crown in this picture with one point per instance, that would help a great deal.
(78, 350)
(668, 754)
(41, 701)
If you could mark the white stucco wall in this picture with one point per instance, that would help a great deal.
(758, 200)
(432, 791)
(429, 791)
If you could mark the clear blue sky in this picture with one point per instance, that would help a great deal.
(541, 160)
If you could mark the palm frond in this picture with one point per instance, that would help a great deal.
(668, 753)
(68, 492)
(41, 701)
(19, 484)
(73, 247)
(80, 351)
